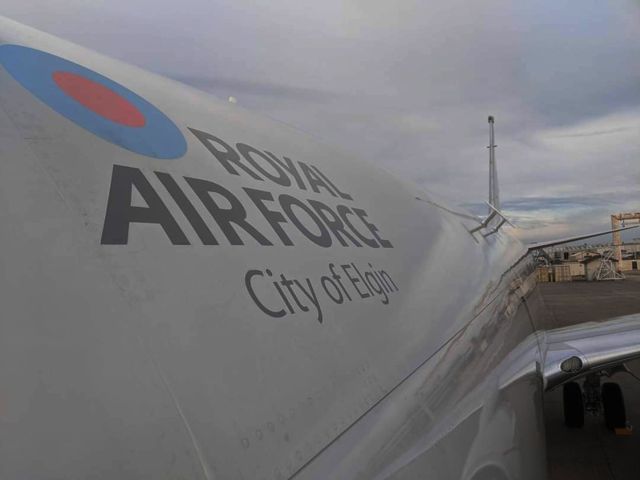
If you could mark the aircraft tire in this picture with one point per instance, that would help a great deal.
(615, 415)
(573, 405)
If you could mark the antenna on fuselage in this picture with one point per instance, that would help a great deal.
(494, 194)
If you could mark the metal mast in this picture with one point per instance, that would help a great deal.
(494, 195)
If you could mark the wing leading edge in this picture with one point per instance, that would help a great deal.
(560, 241)
(576, 351)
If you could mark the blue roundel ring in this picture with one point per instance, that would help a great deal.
(158, 137)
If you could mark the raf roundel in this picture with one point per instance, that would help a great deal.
(94, 102)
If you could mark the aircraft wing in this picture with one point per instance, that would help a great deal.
(560, 241)
(585, 348)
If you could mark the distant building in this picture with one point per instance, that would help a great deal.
(554, 273)
(577, 262)
(629, 264)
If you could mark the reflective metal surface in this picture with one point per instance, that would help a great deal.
(154, 351)
(597, 345)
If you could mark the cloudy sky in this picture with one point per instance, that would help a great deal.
(408, 85)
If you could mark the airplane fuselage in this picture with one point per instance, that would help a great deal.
(193, 291)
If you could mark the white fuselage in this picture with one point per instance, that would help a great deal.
(263, 307)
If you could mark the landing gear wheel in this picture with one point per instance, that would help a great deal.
(573, 405)
(615, 415)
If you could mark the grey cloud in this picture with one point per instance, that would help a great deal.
(230, 86)
(408, 86)
(532, 204)
(541, 203)
(594, 133)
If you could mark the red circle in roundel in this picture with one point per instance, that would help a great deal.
(99, 99)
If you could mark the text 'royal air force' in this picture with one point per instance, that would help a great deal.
(234, 212)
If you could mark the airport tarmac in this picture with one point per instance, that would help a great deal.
(593, 452)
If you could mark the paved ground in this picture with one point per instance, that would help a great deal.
(593, 453)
